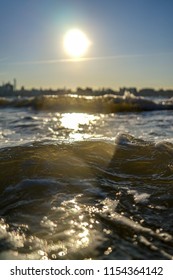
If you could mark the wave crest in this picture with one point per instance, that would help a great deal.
(95, 104)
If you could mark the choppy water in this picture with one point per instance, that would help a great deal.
(92, 185)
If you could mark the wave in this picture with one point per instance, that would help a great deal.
(128, 156)
(89, 199)
(89, 104)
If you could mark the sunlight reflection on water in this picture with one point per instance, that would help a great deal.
(74, 120)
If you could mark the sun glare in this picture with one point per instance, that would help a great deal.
(76, 43)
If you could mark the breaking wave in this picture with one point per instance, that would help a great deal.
(89, 104)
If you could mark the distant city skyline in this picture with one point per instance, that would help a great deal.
(132, 43)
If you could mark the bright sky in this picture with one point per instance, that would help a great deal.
(131, 43)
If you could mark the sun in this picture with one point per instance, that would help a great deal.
(76, 43)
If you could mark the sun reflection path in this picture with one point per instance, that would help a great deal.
(81, 230)
(74, 120)
(80, 124)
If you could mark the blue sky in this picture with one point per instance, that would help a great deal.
(132, 43)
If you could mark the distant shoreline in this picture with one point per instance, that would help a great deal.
(9, 90)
